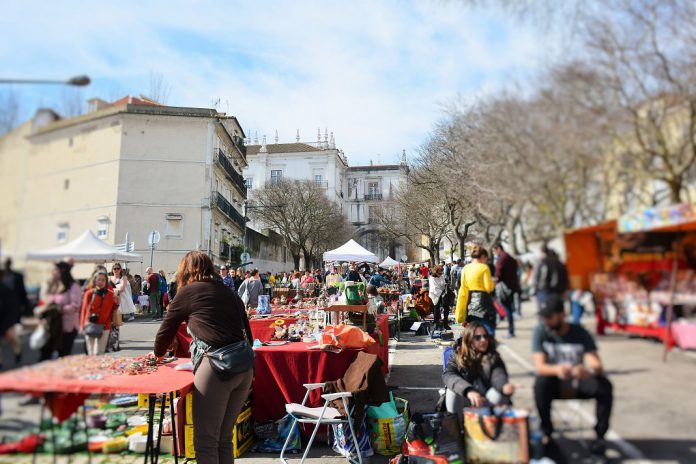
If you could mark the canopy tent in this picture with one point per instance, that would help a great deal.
(350, 251)
(389, 262)
(85, 248)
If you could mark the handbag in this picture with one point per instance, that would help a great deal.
(498, 438)
(228, 360)
(116, 318)
(93, 329)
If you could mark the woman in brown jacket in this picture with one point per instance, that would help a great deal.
(216, 318)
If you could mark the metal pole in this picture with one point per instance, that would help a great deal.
(245, 233)
(152, 246)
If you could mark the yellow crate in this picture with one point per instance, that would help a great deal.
(242, 436)
(144, 400)
(189, 408)
(189, 450)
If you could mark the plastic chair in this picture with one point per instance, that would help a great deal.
(323, 415)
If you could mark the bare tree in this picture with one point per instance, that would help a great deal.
(159, 88)
(644, 51)
(302, 214)
(9, 110)
(418, 214)
(71, 102)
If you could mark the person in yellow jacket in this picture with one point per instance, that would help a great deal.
(474, 302)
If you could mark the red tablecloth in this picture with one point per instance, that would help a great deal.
(165, 379)
(70, 393)
(383, 350)
(281, 371)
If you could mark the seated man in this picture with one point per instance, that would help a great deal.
(568, 366)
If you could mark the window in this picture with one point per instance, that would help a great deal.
(373, 213)
(174, 227)
(62, 234)
(276, 176)
(249, 183)
(317, 179)
(103, 227)
(373, 188)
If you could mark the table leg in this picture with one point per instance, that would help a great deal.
(49, 398)
(172, 410)
(84, 418)
(150, 426)
(41, 419)
(156, 452)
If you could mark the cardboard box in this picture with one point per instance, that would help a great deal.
(242, 436)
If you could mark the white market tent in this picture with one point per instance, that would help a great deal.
(389, 262)
(85, 248)
(350, 251)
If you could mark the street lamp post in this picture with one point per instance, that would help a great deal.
(78, 81)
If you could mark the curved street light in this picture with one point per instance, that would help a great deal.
(78, 81)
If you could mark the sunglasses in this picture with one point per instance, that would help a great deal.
(480, 338)
(116, 268)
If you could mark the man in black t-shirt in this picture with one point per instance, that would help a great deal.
(568, 366)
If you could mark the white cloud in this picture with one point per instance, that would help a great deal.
(374, 73)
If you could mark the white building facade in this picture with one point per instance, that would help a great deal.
(360, 191)
(129, 167)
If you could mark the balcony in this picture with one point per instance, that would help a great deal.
(322, 184)
(239, 143)
(224, 250)
(229, 211)
(373, 197)
(236, 178)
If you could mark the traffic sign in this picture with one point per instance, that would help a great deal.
(245, 257)
(153, 238)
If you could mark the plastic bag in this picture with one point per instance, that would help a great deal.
(343, 441)
(275, 434)
(436, 434)
(346, 336)
(497, 437)
(39, 337)
(387, 427)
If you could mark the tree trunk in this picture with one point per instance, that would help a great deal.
(296, 260)
(675, 190)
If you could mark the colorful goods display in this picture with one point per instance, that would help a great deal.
(95, 367)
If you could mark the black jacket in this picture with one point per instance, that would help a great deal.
(460, 381)
(551, 275)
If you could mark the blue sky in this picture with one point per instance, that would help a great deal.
(377, 74)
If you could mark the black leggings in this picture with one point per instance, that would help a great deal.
(547, 389)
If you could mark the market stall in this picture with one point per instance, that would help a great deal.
(640, 270)
(351, 251)
(281, 372)
(85, 248)
(67, 382)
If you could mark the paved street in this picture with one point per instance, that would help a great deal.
(653, 419)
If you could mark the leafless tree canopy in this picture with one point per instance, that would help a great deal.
(159, 88)
(9, 110)
(615, 119)
(300, 211)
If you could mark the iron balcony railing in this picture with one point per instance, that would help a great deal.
(236, 178)
(373, 196)
(227, 208)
